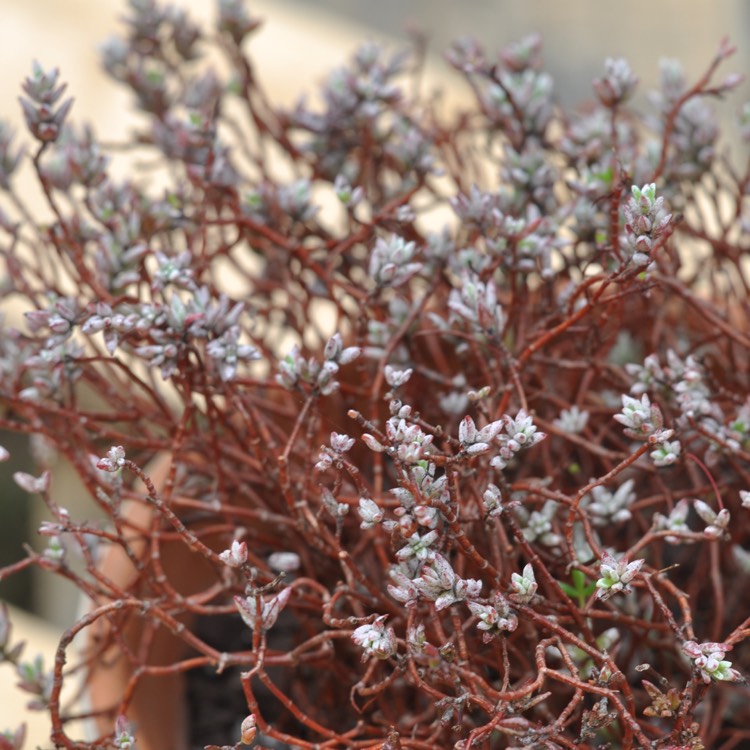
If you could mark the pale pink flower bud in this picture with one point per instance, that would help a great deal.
(235, 556)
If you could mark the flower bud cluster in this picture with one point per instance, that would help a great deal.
(685, 384)
(391, 263)
(124, 738)
(537, 524)
(236, 555)
(515, 89)
(76, 158)
(695, 127)
(282, 204)
(717, 524)
(340, 444)
(420, 510)
(270, 608)
(294, 369)
(376, 639)
(32, 678)
(476, 441)
(646, 221)
(573, 420)
(523, 585)
(235, 20)
(642, 419)
(520, 434)
(44, 120)
(439, 583)
(618, 83)
(362, 97)
(476, 303)
(494, 618)
(709, 661)
(605, 507)
(616, 575)
(406, 441)
(113, 461)
(676, 521)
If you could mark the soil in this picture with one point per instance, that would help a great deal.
(216, 702)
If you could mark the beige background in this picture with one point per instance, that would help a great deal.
(303, 39)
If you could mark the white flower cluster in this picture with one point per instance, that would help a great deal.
(605, 507)
(538, 525)
(643, 421)
(683, 382)
(294, 368)
(391, 261)
(616, 576)
(476, 441)
(646, 219)
(376, 639)
(708, 659)
(476, 303)
(340, 444)
(520, 433)
(717, 524)
(524, 585)
(573, 420)
(113, 461)
(676, 521)
(409, 443)
(495, 617)
(269, 610)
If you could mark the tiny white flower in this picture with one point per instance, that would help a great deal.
(572, 420)
(236, 555)
(717, 524)
(676, 521)
(376, 639)
(341, 443)
(404, 590)
(666, 452)
(284, 562)
(616, 576)
(114, 460)
(418, 547)
(524, 586)
(32, 484)
(270, 609)
(607, 507)
(55, 550)
(709, 660)
(396, 378)
(370, 513)
(493, 618)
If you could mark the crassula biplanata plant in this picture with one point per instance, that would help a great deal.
(400, 429)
